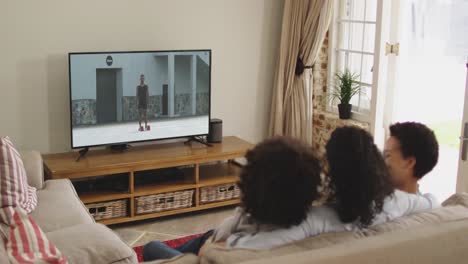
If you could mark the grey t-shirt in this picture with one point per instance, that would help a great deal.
(240, 231)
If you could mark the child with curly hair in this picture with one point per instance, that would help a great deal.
(278, 185)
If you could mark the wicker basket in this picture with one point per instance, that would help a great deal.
(107, 210)
(219, 193)
(163, 202)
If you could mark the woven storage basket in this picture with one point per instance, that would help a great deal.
(163, 202)
(216, 193)
(107, 210)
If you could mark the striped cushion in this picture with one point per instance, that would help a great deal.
(14, 187)
(25, 241)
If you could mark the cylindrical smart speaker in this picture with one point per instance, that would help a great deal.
(216, 131)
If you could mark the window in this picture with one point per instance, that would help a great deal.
(352, 46)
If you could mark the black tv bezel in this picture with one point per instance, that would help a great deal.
(142, 51)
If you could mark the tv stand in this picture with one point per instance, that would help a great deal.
(123, 183)
(82, 153)
(199, 140)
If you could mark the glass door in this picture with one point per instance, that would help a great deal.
(426, 78)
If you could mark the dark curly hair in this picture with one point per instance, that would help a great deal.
(358, 178)
(280, 181)
(418, 141)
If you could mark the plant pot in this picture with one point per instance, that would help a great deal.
(344, 111)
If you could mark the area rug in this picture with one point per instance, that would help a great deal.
(172, 243)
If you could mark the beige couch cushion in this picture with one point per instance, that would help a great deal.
(457, 199)
(445, 243)
(3, 254)
(59, 207)
(91, 243)
(182, 259)
(34, 169)
(216, 254)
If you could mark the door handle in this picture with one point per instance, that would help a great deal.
(464, 142)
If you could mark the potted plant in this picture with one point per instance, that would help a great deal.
(345, 87)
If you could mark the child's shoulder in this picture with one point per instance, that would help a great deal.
(324, 212)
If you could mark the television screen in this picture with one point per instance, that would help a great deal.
(123, 97)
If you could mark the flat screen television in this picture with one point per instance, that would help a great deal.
(124, 97)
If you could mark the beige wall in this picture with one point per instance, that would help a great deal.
(35, 37)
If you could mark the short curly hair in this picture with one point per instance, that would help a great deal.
(418, 141)
(280, 181)
(358, 180)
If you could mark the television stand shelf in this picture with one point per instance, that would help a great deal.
(159, 172)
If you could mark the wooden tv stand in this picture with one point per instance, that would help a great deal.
(202, 166)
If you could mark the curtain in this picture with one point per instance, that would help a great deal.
(305, 24)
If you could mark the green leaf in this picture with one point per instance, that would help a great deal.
(345, 87)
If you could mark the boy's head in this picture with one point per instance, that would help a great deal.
(410, 152)
(142, 78)
(280, 181)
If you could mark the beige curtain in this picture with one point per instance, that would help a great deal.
(305, 24)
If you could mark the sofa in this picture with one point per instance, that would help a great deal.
(436, 236)
(66, 222)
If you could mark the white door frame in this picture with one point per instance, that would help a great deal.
(462, 176)
(379, 85)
